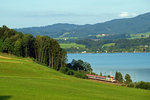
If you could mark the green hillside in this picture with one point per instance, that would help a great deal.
(108, 45)
(71, 45)
(22, 79)
(141, 35)
(135, 25)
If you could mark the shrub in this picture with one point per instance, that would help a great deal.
(80, 75)
(143, 85)
(131, 85)
(64, 70)
(70, 72)
(108, 76)
(123, 84)
(92, 73)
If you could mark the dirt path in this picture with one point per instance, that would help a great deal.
(10, 62)
(2, 57)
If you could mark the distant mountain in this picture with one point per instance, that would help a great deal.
(138, 24)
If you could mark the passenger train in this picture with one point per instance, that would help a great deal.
(102, 78)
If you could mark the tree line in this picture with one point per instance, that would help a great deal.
(120, 45)
(128, 82)
(43, 49)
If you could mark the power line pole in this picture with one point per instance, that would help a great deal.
(134, 80)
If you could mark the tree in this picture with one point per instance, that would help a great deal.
(28, 45)
(87, 67)
(5, 32)
(127, 79)
(80, 65)
(7, 46)
(63, 58)
(1, 43)
(48, 51)
(118, 77)
(101, 74)
(18, 47)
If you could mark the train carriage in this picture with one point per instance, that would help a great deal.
(102, 78)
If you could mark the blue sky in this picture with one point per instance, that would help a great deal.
(27, 13)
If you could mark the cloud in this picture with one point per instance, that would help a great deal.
(124, 14)
(127, 14)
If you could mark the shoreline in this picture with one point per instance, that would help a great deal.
(108, 53)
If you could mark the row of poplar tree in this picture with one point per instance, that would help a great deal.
(43, 49)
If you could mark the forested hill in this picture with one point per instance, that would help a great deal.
(138, 24)
(43, 49)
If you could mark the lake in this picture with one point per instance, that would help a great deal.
(135, 64)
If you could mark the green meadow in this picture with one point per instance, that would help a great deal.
(73, 45)
(138, 36)
(108, 45)
(23, 79)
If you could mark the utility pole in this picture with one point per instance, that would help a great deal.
(134, 80)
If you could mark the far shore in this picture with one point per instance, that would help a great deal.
(106, 53)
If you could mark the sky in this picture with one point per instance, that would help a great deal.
(29, 13)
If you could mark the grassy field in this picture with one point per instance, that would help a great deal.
(65, 38)
(108, 45)
(64, 35)
(22, 79)
(138, 36)
(69, 45)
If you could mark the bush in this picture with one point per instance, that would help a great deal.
(131, 84)
(123, 84)
(80, 75)
(64, 70)
(92, 73)
(70, 72)
(108, 76)
(143, 85)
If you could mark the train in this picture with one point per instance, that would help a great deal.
(101, 78)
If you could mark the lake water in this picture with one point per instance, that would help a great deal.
(135, 64)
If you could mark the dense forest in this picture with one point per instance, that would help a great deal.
(43, 49)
